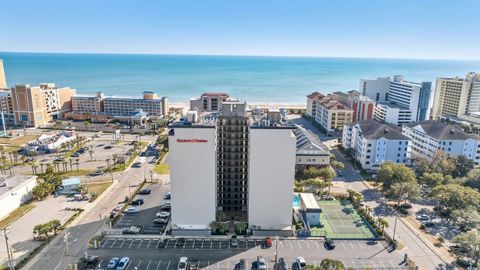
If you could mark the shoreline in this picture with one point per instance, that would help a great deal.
(269, 105)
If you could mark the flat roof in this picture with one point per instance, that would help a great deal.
(308, 201)
(13, 182)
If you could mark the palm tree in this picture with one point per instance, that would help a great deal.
(86, 123)
(15, 157)
(34, 166)
(23, 159)
(55, 224)
(70, 160)
(65, 167)
(77, 162)
(2, 150)
(91, 154)
(41, 167)
(11, 157)
(383, 223)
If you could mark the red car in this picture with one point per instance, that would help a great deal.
(267, 242)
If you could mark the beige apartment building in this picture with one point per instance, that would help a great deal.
(455, 97)
(3, 79)
(209, 102)
(38, 105)
(329, 111)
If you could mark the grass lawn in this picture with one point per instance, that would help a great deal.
(98, 187)
(16, 214)
(18, 141)
(162, 169)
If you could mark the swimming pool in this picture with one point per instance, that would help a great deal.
(296, 201)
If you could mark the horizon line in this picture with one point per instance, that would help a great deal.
(240, 55)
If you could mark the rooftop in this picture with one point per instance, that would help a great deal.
(392, 105)
(441, 131)
(13, 182)
(372, 129)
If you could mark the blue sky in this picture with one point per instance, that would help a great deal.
(440, 29)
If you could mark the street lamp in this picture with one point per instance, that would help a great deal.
(9, 255)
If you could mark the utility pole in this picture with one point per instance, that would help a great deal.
(394, 229)
(9, 255)
(65, 239)
(276, 252)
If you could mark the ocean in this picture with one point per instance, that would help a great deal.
(249, 78)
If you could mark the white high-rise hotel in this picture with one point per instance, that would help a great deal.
(232, 168)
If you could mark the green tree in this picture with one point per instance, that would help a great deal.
(469, 244)
(350, 153)
(468, 217)
(473, 179)
(433, 179)
(453, 196)
(338, 165)
(391, 173)
(55, 225)
(463, 166)
(329, 264)
(404, 191)
(383, 223)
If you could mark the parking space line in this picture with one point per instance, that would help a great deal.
(220, 244)
(114, 241)
(306, 241)
(351, 245)
(299, 246)
(148, 265)
(211, 243)
(122, 243)
(131, 244)
(104, 243)
(203, 241)
(168, 265)
(343, 245)
(316, 244)
(158, 265)
(290, 242)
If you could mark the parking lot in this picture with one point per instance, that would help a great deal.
(147, 211)
(159, 254)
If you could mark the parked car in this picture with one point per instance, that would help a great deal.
(59, 159)
(131, 210)
(137, 202)
(29, 159)
(329, 244)
(299, 263)
(96, 173)
(131, 230)
(183, 263)
(119, 207)
(167, 196)
(163, 214)
(423, 217)
(340, 173)
(329, 198)
(234, 241)
(261, 264)
(165, 207)
(107, 147)
(112, 264)
(240, 265)
(282, 264)
(267, 242)
(180, 242)
(91, 262)
(145, 191)
(160, 221)
(76, 154)
(123, 263)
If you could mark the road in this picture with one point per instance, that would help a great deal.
(52, 256)
(416, 248)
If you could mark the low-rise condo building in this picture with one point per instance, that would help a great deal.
(310, 151)
(429, 137)
(375, 143)
(391, 113)
(329, 111)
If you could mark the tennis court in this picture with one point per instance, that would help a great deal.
(341, 221)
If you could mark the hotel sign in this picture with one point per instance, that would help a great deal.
(191, 141)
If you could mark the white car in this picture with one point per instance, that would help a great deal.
(131, 210)
(123, 263)
(423, 217)
(119, 207)
(183, 263)
(299, 263)
(163, 214)
(261, 264)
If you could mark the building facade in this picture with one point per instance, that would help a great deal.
(122, 106)
(375, 143)
(363, 107)
(310, 151)
(209, 102)
(3, 78)
(392, 113)
(14, 192)
(456, 97)
(329, 111)
(226, 166)
(39, 105)
(429, 137)
(408, 95)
